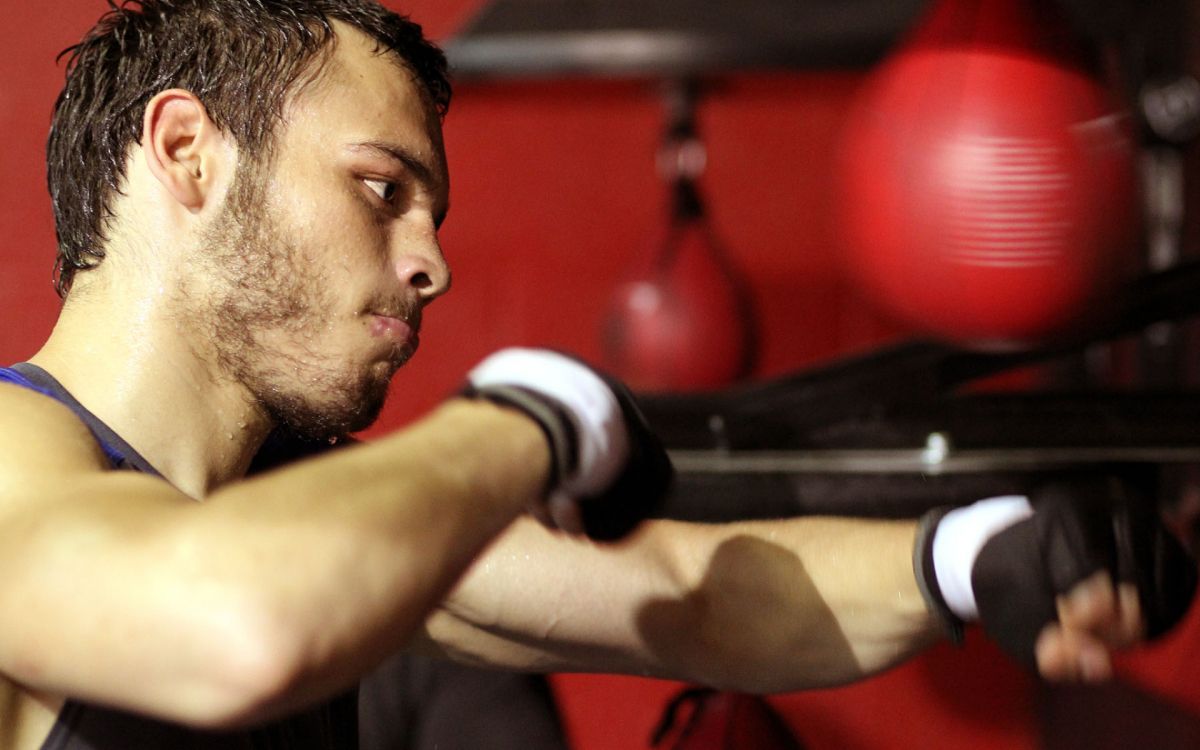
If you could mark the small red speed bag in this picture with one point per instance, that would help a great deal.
(987, 191)
(686, 324)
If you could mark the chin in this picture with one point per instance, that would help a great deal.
(346, 407)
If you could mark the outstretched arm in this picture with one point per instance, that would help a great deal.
(790, 604)
(758, 606)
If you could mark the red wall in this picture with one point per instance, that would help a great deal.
(555, 199)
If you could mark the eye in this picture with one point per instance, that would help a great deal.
(385, 189)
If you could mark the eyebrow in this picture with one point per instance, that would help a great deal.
(413, 163)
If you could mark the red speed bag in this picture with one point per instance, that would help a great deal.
(987, 188)
(686, 325)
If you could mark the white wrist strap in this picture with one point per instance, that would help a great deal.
(960, 536)
(587, 399)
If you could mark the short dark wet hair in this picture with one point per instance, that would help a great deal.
(242, 58)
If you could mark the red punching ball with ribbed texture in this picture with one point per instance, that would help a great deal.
(987, 185)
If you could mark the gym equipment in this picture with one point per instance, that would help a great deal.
(987, 186)
(687, 323)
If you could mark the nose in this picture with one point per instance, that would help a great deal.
(422, 266)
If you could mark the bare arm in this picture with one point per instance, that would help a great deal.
(783, 605)
(756, 606)
(116, 588)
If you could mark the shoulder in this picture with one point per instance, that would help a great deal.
(39, 433)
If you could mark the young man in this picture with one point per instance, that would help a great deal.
(247, 197)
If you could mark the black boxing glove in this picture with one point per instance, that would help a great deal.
(609, 472)
(1004, 561)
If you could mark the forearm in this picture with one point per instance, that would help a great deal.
(272, 591)
(761, 606)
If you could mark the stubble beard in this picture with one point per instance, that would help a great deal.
(268, 315)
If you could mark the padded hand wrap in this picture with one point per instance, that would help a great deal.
(1076, 529)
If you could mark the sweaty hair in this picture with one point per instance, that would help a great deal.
(241, 58)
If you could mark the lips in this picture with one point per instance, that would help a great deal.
(396, 330)
(398, 336)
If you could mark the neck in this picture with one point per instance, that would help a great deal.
(132, 367)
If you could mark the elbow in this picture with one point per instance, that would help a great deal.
(252, 672)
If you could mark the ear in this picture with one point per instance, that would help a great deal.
(183, 147)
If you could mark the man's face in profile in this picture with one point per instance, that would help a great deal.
(314, 276)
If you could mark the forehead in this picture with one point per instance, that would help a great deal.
(364, 95)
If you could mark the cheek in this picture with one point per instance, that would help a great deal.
(341, 234)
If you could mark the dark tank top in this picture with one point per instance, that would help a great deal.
(80, 726)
